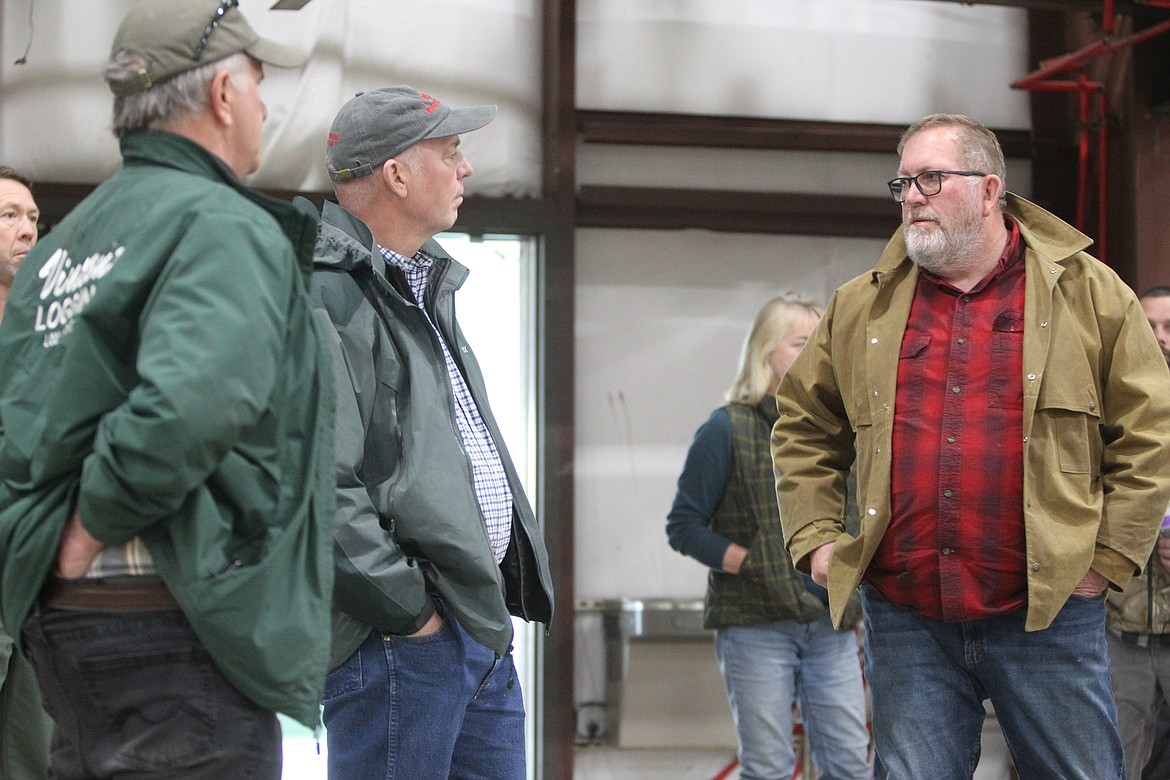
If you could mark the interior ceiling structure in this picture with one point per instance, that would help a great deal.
(1090, 6)
(1126, 7)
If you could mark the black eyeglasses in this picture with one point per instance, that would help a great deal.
(928, 183)
(222, 9)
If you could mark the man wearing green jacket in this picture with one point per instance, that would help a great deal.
(166, 430)
(1009, 412)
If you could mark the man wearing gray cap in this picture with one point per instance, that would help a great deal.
(166, 491)
(436, 544)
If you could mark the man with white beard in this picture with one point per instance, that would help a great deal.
(1009, 412)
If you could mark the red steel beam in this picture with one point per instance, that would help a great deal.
(1067, 62)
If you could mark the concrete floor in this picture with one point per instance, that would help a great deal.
(598, 762)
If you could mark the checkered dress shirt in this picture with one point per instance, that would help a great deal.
(487, 469)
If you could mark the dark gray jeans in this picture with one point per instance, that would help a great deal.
(135, 695)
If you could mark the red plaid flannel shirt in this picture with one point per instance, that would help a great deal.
(954, 549)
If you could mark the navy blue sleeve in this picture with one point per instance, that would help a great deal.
(701, 485)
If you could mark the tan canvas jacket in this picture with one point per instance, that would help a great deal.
(1096, 419)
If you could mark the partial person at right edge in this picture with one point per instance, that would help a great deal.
(774, 640)
(437, 546)
(1138, 620)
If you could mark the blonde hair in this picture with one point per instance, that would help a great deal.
(754, 379)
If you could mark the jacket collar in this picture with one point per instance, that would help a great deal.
(349, 244)
(1049, 237)
(156, 147)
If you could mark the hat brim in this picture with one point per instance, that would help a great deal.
(462, 120)
(277, 54)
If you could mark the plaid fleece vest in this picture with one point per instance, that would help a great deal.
(767, 588)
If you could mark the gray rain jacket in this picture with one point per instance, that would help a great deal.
(408, 521)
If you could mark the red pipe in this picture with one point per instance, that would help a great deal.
(1041, 81)
(1069, 61)
(727, 770)
(1063, 86)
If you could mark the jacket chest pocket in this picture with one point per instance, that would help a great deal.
(1075, 428)
(383, 453)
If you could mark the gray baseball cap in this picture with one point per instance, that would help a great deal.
(174, 36)
(374, 126)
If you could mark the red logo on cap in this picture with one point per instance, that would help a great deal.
(333, 138)
(430, 109)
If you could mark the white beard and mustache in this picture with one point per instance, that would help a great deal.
(946, 249)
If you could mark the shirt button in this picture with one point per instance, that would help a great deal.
(947, 493)
(950, 440)
(962, 341)
(871, 512)
(873, 341)
(1031, 377)
(1035, 567)
(947, 551)
(955, 389)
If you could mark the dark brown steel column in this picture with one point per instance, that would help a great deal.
(557, 279)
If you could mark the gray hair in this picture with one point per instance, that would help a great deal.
(359, 196)
(980, 149)
(175, 98)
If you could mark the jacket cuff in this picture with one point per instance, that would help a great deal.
(424, 616)
(809, 538)
(1114, 566)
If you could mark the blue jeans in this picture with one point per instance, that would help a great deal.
(134, 694)
(1050, 690)
(770, 666)
(438, 706)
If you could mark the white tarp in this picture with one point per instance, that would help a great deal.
(55, 110)
(838, 60)
(885, 61)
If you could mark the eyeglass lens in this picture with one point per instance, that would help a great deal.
(928, 183)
